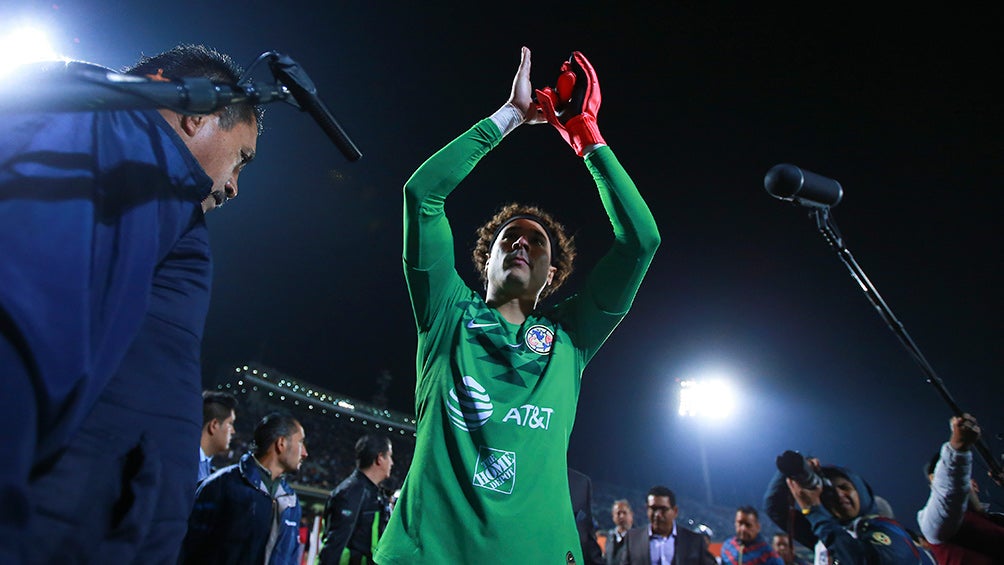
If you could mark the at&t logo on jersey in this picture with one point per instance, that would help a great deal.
(530, 416)
(469, 405)
(495, 470)
(539, 339)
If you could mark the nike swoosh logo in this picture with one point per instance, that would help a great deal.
(515, 345)
(472, 325)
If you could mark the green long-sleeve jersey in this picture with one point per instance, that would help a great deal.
(496, 401)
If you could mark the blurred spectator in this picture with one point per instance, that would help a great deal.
(218, 418)
(883, 508)
(785, 549)
(956, 525)
(748, 546)
(357, 511)
(581, 490)
(662, 542)
(623, 519)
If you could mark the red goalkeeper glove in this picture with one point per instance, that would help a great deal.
(572, 105)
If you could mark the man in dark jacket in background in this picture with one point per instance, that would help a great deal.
(581, 490)
(663, 541)
(358, 509)
(247, 513)
(623, 519)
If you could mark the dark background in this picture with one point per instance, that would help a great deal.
(699, 101)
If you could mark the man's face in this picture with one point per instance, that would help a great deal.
(294, 451)
(223, 433)
(520, 259)
(223, 153)
(845, 504)
(747, 527)
(386, 461)
(783, 548)
(661, 515)
(622, 515)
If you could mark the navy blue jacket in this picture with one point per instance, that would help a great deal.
(236, 520)
(878, 541)
(105, 262)
(105, 274)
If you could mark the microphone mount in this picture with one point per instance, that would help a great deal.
(291, 75)
(827, 227)
(75, 86)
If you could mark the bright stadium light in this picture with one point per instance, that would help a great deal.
(711, 399)
(25, 44)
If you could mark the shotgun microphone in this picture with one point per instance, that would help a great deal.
(806, 188)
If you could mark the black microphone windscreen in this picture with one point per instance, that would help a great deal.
(789, 182)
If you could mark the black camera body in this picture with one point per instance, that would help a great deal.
(795, 467)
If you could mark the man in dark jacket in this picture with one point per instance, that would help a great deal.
(358, 509)
(105, 277)
(623, 519)
(247, 513)
(842, 518)
(662, 539)
(581, 490)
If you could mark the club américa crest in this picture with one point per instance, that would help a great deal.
(539, 339)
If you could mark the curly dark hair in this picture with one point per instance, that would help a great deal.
(563, 246)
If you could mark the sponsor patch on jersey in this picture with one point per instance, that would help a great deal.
(539, 339)
(495, 470)
(469, 405)
(529, 416)
(881, 538)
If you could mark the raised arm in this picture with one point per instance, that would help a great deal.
(777, 505)
(428, 240)
(613, 283)
(941, 517)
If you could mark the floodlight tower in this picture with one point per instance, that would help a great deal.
(705, 400)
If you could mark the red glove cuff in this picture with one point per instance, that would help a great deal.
(580, 132)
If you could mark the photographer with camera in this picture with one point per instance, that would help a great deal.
(835, 512)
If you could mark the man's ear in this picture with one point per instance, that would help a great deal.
(192, 124)
(214, 425)
(280, 444)
(550, 274)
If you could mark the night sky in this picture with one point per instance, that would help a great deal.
(698, 103)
